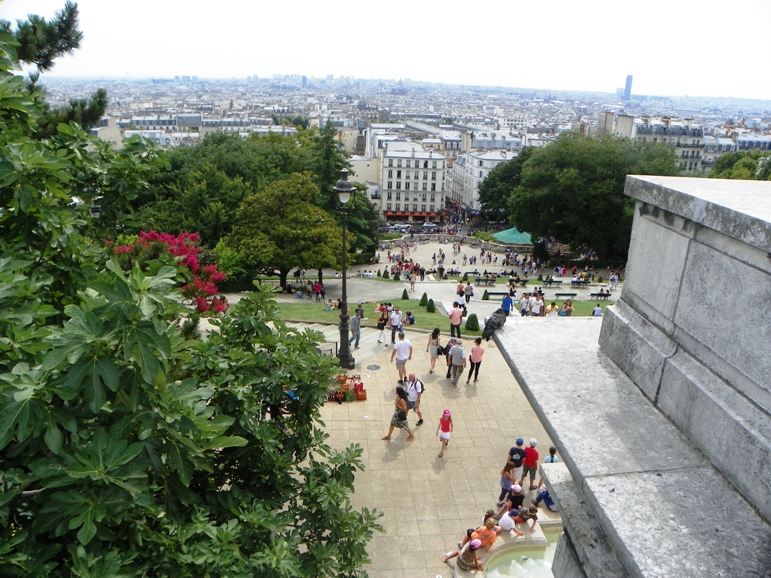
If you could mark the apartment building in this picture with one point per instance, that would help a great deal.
(686, 136)
(469, 170)
(412, 182)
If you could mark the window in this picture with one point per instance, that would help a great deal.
(390, 162)
(425, 164)
(433, 164)
(398, 174)
(433, 176)
(408, 164)
(432, 208)
(390, 174)
(407, 186)
(433, 186)
(425, 186)
(388, 206)
(406, 174)
(481, 164)
(415, 197)
(433, 198)
(423, 208)
(398, 206)
(480, 174)
(388, 195)
(424, 197)
(414, 207)
(425, 175)
(390, 185)
(399, 162)
(398, 196)
(398, 185)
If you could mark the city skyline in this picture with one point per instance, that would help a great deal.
(588, 46)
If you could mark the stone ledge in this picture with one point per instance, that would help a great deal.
(650, 489)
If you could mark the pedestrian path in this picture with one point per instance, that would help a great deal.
(428, 501)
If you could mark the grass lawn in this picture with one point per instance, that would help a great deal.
(313, 312)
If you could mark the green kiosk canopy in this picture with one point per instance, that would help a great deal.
(513, 237)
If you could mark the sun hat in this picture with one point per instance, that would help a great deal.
(533, 442)
(516, 488)
(446, 413)
(476, 543)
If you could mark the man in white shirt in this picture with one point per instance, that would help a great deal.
(535, 306)
(403, 353)
(396, 323)
(415, 389)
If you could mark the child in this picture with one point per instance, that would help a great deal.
(445, 425)
(550, 459)
(508, 479)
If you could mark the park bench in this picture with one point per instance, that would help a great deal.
(482, 280)
(599, 295)
(522, 282)
(579, 283)
(501, 293)
(551, 282)
(566, 295)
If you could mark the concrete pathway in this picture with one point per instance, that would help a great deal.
(428, 501)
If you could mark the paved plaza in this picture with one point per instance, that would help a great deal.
(428, 501)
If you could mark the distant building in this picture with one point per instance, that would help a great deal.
(628, 88)
(412, 182)
(468, 172)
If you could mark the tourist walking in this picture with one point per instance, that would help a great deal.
(403, 353)
(477, 351)
(396, 323)
(355, 329)
(458, 361)
(456, 316)
(443, 430)
(399, 418)
(434, 347)
(414, 388)
(469, 292)
(382, 321)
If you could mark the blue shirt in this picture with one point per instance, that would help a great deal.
(507, 303)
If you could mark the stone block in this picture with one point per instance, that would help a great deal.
(733, 433)
(652, 274)
(636, 346)
(723, 310)
(677, 523)
(565, 562)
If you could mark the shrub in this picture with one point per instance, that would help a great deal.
(486, 296)
(423, 300)
(385, 274)
(431, 308)
(540, 277)
(405, 295)
(599, 278)
(379, 274)
(472, 323)
(465, 277)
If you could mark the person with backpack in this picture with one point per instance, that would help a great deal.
(414, 388)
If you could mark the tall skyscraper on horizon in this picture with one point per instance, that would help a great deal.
(628, 88)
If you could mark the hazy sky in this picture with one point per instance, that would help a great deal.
(672, 47)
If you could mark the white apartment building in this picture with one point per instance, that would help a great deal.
(469, 170)
(685, 136)
(412, 182)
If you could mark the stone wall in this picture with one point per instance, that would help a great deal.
(692, 327)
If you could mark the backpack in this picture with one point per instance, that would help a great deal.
(422, 386)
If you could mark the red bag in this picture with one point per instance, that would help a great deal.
(358, 386)
(361, 395)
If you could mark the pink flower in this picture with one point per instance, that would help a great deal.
(124, 249)
(202, 304)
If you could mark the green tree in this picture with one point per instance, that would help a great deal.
(125, 449)
(496, 188)
(742, 165)
(573, 190)
(40, 43)
(280, 228)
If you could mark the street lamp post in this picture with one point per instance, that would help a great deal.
(345, 192)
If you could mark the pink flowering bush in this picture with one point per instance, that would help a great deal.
(181, 250)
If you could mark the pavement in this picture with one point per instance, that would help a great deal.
(428, 502)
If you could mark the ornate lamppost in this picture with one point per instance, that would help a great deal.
(345, 192)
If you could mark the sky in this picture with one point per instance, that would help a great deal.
(671, 47)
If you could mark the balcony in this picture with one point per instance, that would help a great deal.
(690, 146)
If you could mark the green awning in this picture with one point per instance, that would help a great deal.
(513, 237)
